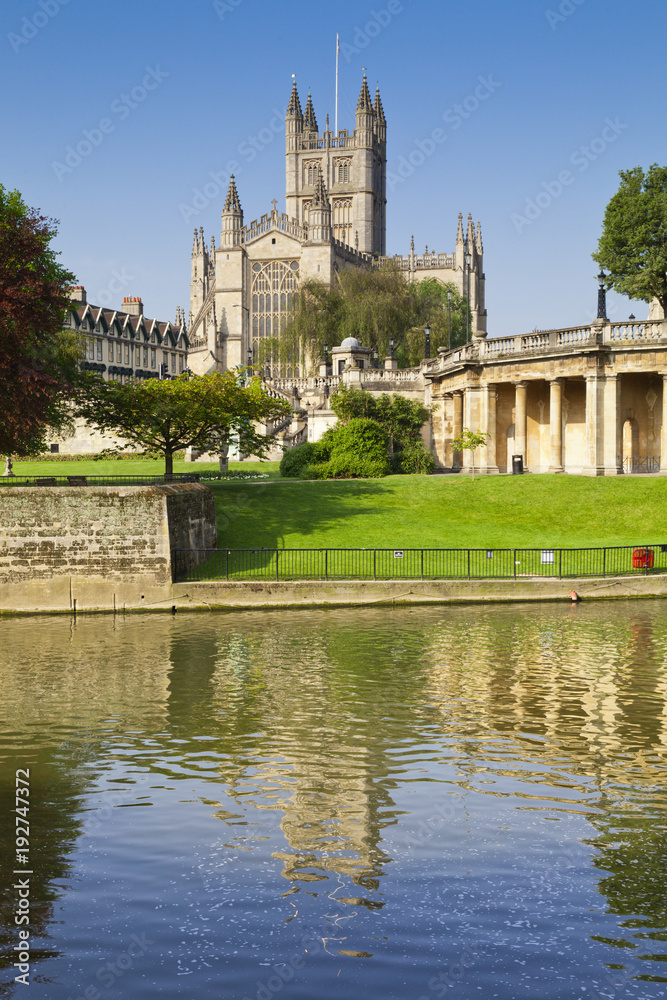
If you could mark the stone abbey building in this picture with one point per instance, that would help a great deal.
(335, 218)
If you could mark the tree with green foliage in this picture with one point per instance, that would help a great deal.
(190, 411)
(38, 359)
(375, 306)
(633, 245)
(470, 441)
(401, 418)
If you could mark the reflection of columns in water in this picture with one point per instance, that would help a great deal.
(520, 421)
(556, 425)
(458, 426)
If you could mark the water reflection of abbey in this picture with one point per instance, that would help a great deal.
(309, 720)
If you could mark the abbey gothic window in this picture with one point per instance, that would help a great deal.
(341, 170)
(274, 285)
(310, 171)
(341, 219)
(305, 211)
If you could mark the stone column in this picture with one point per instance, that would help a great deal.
(487, 459)
(556, 425)
(663, 433)
(520, 421)
(457, 398)
(593, 458)
(613, 426)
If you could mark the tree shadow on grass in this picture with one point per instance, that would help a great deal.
(264, 516)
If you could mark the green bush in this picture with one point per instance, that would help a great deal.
(296, 459)
(416, 460)
(350, 465)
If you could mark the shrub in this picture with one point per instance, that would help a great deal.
(362, 436)
(416, 460)
(296, 459)
(350, 465)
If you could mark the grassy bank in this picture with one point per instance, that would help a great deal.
(444, 511)
(132, 467)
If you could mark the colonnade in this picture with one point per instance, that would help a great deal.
(601, 446)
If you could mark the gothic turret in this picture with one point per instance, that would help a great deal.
(309, 119)
(200, 270)
(293, 121)
(232, 217)
(365, 116)
(478, 240)
(380, 120)
(319, 218)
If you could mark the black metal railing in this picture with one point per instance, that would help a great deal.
(416, 564)
(649, 464)
(74, 480)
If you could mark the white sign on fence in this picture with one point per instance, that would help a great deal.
(546, 556)
(398, 553)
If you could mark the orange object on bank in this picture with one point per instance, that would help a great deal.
(642, 559)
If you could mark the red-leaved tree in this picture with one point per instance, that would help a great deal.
(38, 359)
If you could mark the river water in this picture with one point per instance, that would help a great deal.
(386, 803)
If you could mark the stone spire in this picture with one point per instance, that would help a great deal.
(319, 216)
(195, 244)
(232, 202)
(364, 103)
(321, 198)
(232, 218)
(459, 231)
(309, 119)
(294, 106)
(377, 107)
(478, 239)
(470, 236)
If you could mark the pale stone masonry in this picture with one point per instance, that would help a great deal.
(335, 218)
(98, 546)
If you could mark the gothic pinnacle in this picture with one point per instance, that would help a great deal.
(364, 103)
(232, 202)
(321, 197)
(309, 119)
(459, 231)
(294, 106)
(379, 111)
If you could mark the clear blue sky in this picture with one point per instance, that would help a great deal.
(218, 77)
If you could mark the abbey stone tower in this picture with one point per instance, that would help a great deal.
(242, 290)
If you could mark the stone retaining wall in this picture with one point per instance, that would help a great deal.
(97, 547)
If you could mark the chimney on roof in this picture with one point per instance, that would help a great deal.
(78, 293)
(133, 305)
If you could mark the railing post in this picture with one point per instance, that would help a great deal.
(468, 563)
(326, 564)
(277, 554)
(604, 562)
(560, 564)
(375, 552)
(422, 564)
(227, 566)
(514, 561)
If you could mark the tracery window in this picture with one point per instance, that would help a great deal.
(274, 285)
(341, 169)
(310, 171)
(341, 218)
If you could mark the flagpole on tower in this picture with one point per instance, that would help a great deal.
(336, 101)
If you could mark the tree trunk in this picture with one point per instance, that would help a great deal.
(168, 464)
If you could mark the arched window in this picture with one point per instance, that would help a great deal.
(310, 171)
(274, 284)
(341, 219)
(341, 170)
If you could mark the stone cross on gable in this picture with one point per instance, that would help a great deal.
(274, 203)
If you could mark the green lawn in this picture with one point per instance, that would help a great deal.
(132, 467)
(444, 511)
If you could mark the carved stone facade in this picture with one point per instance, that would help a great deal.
(241, 290)
(587, 400)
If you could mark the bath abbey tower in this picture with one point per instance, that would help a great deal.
(241, 291)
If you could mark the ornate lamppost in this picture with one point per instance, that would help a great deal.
(602, 295)
(427, 341)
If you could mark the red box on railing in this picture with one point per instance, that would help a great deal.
(642, 559)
